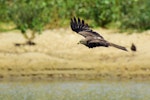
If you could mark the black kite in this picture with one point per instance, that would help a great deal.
(92, 39)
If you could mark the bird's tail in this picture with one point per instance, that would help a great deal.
(133, 47)
(118, 46)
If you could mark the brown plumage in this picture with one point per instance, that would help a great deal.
(133, 47)
(92, 39)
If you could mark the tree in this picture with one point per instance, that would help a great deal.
(30, 14)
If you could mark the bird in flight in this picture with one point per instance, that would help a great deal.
(92, 38)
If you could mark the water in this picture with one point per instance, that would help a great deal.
(78, 90)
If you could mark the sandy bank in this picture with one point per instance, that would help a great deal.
(58, 56)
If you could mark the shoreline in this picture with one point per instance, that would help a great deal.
(58, 57)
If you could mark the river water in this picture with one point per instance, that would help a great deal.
(75, 90)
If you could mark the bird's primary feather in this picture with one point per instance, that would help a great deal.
(83, 29)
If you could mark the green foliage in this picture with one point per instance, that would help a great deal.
(132, 14)
(4, 5)
(136, 15)
(31, 14)
(35, 14)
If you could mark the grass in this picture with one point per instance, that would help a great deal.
(58, 56)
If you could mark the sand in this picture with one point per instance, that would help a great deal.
(57, 56)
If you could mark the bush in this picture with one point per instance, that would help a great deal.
(135, 15)
(33, 15)
(4, 11)
(130, 14)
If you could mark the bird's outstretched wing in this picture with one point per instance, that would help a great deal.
(82, 28)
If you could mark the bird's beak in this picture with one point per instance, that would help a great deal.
(78, 43)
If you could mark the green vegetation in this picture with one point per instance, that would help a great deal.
(30, 15)
(34, 15)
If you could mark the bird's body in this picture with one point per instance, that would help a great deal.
(94, 42)
(92, 39)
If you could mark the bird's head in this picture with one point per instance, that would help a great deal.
(82, 42)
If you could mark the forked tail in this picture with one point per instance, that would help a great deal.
(118, 46)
